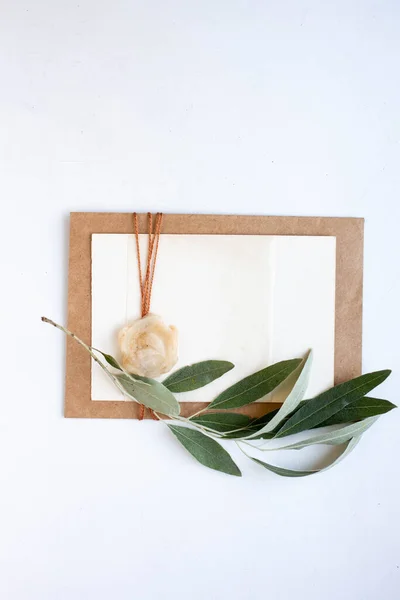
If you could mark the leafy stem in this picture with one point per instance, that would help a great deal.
(345, 405)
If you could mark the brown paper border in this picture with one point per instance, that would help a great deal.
(349, 234)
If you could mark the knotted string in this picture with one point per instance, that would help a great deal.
(146, 282)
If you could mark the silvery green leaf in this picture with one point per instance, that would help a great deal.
(356, 411)
(325, 405)
(207, 451)
(360, 409)
(110, 359)
(197, 375)
(255, 386)
(253, 427)
(222, 422)
(150, 393)
(332, 438)
(294, 398)
(348, 447)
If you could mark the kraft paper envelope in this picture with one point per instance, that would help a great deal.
(346, 329)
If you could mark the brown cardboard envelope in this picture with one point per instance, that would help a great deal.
(349, 234)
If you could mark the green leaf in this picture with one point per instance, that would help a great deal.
(294, 398)
(255, 386)
(332, 438)
(253, 427)
(151, 394)
(197, 375)
(222, 422)
(322, 407)
(360, 409)
(207, 451)
(110, 359)
(348, 447)
(356, 411)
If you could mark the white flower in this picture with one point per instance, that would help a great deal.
(148, 346)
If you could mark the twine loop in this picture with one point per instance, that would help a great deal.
(146, 280)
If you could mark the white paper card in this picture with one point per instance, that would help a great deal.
(252, 300)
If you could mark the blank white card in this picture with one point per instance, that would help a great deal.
(253, 300)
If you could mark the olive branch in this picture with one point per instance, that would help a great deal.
(336, 417)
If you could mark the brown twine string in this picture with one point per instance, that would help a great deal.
(146, 282)
(141, 413)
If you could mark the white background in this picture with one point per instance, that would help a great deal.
(265, 107)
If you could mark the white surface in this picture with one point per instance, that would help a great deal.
(252, 300)
(258, 107)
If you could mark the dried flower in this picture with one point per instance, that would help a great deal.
(148, 346)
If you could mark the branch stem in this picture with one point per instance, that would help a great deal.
(88, 349)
